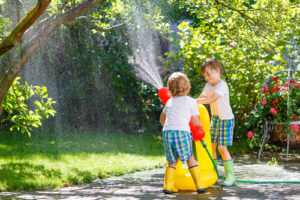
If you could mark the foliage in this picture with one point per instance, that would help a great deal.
(280, 103)
(49, 160)
(273, 161)
(19, 114)
(112, 53)
(233, 33)
(4, 23)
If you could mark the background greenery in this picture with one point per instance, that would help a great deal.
(85, 66)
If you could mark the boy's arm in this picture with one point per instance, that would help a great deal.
(201, 96)
(208, 100)
(162, 118)
(196, 120)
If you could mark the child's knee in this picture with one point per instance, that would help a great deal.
(173, 164)
(222, 149)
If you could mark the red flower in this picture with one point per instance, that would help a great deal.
(273, 103)
(265, 89)
(264, 102)
(292, 81)
(275, 79)
(279, 98)
(295, 127)
(276, 107)
(250, 134)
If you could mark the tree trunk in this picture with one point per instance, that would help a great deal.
(14, 61)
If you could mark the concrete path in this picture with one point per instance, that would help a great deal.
(148, 185)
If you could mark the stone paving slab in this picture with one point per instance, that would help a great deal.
(148, 185)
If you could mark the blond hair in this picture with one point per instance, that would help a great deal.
(179, 84)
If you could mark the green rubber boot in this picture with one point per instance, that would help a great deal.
(230, 180)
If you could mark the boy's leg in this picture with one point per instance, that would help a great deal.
(172, 159)
(214, 148)
(224, 152)
(195, 172)
(214, 130)
(228, 166)
(225, 139)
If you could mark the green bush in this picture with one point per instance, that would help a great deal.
(19, 114)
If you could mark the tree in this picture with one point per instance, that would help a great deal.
(34, 37)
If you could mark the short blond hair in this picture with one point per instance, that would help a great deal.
(179, 84)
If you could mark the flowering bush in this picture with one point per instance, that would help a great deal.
(274, 105)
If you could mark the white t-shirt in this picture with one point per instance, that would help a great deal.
(179, 111)
(221, 107)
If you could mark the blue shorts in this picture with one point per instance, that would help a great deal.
(177, 144)
(221, 131)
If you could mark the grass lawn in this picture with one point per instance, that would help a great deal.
(53, 160)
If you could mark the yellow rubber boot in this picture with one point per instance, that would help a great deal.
(195, 172)
(169, 181)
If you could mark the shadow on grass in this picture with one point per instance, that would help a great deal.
(21, 176)
(54, 145)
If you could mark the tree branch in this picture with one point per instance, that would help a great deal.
(14, 37)
(15, 64)
(84, 18)
(245, 16)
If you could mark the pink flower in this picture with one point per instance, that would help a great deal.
(148, 101)
(283, 89)
(295, 127)
(250, 134)
(141, 131)
(273, 110)
(264, 102)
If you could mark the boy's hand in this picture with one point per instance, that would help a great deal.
(198, 134)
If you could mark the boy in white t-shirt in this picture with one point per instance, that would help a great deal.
(216, 94)
(177, 137)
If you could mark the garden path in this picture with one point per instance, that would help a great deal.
(148, 185)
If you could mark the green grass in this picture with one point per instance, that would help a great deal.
(53, 160)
